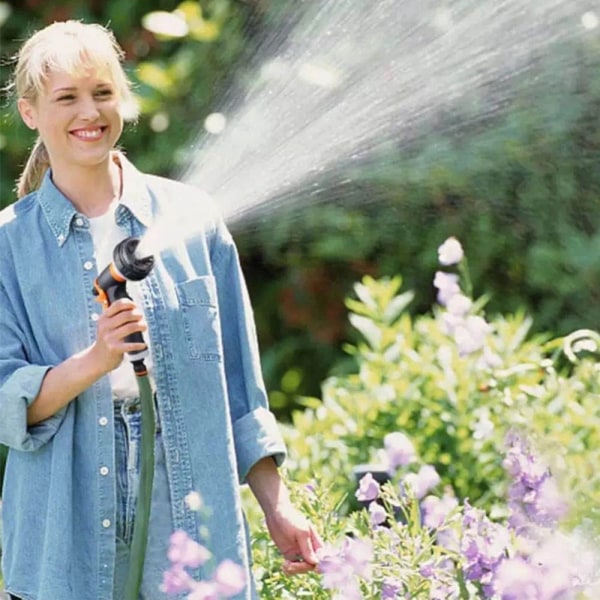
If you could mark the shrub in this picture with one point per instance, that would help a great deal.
(455, 385)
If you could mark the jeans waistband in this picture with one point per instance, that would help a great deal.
(130, 405)
(125, 406)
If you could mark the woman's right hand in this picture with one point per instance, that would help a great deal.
(119, 320)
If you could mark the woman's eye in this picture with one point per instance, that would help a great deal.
(66, 97)
(104, 93)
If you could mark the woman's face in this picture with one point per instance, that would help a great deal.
(77, 117)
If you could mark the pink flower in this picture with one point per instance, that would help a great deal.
(230, 578)
(183, 550)
(204, 590)
(176, 580)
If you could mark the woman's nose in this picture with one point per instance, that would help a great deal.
(88, 109)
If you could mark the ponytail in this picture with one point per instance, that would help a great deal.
(35, 168)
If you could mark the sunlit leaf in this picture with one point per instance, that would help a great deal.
(155, 76)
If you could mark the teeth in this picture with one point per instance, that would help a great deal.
(88, 133)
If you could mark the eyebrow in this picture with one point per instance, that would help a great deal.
(74, 88)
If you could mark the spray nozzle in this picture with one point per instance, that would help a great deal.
(110, 285)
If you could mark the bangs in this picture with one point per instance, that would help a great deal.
(76, 48)
(75, 56)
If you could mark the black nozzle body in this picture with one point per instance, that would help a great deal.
(110, 285)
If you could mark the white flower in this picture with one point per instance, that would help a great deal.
(447, 285)
(450, 252)
(459, 305)
(194, 501)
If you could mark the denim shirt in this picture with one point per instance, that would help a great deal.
(59, 502)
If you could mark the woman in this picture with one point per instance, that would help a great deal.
(68, 401)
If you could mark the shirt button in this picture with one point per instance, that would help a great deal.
(61, 238)
(87, 265)
(103, 470)
(103, 421)
(79, 221)
(106, 523)
(95, 316)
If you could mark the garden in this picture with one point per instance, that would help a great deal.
(456, 462)
(428, 328)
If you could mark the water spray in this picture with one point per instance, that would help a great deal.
(109, 286)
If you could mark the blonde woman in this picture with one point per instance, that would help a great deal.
(69, 410)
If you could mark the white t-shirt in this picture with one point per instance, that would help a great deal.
(106, 234)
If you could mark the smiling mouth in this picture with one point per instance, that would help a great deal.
(89, 134)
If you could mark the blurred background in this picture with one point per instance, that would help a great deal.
(508, 166)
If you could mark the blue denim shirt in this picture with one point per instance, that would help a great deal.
(59, 505)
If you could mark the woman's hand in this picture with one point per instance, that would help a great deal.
(290, 530)
(119, 320)
(295, 537)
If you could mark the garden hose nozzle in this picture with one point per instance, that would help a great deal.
(110, 285)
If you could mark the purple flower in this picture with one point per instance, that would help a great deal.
(341, 566)
(391, 588)
(518, 578)
(337, 573)
(533, 496)
(422, 482)
(436, 510)
(450, 252)
(447, 286)
(427, 569)
(368, 488)
(229, 578)
(399, 450)
(377, 514)
(359, 554)
(484, 545)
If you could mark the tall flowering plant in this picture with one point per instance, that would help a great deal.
(414, 540)
(468, 510)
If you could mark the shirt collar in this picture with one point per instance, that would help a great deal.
(135, 201)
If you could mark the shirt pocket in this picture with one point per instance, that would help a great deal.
(200, 316)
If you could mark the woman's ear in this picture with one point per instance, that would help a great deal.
(27, 112)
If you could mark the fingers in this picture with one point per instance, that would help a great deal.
(297, 567)
(122, 318)
(307, 549)
(306, 559)
(119, 320)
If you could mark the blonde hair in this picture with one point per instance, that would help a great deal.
(71, 47)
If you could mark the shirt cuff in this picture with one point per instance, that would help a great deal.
(16, 395)
(256, 436)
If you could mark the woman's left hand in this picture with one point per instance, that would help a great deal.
(295, 537)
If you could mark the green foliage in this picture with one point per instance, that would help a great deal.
(177, 80)
(412, 378)
(520, 185)
(457, 409)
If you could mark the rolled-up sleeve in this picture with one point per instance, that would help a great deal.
(20, 383)
(16, 395)
(256, 433)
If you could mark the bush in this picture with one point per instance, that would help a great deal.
(459, 387)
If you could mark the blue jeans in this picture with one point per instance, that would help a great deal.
(127, 459)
